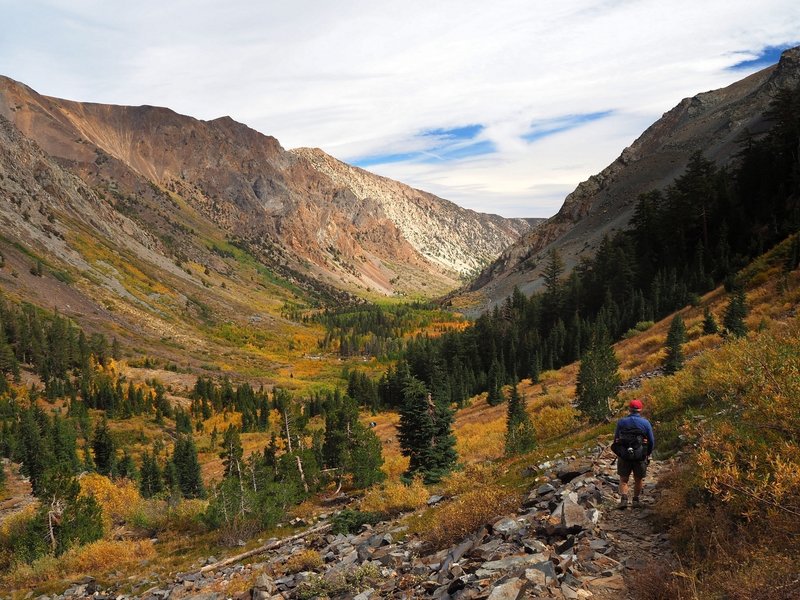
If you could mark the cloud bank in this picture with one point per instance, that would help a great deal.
(502, 108)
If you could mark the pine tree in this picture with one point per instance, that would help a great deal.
(494, 384)
(425, 433)
(733, 321)
(104, 448)
(366, 458)
(76, 519)
(152, 481)
(187, 468)
(32, 450)
(520, 435)
(214, 436)
(676, 337)
(231, 453)
(598, 378)
(709, 322)
(126, 468)
(416, 428)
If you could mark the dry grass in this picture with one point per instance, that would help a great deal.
(660, 581)
(394, 497)
(480, 441)
(457, 519)
(305, 560)
(96, 558)
(476, 474)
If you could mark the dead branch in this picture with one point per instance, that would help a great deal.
(265, 548)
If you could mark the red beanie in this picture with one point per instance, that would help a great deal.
(636, 405)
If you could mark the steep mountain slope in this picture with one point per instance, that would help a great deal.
(64, 246)
(712, 122)
(164, 167)
(452, 237)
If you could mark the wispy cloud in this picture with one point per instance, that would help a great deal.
(548, 127)
(501, 106)
(436, 146)
(769, 55)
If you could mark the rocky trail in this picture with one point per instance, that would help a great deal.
(567, 541)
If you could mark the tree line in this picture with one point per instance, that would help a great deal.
(682, 241)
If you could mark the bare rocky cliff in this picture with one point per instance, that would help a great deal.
(711, 122)
(455, 238)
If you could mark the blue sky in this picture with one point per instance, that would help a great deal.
(502, 107)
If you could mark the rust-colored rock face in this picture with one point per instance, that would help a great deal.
(303, 212)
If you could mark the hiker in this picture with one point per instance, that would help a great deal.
(633, 444)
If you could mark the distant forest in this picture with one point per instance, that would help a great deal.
(683, 241)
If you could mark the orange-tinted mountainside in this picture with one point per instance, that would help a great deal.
(175, 176)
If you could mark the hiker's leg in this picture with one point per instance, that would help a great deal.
(639, 471)
(637, 485)
(623, 485)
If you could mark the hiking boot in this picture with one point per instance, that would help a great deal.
(623, 502)
(636, 503)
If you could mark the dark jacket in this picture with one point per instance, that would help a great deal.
(637, 421)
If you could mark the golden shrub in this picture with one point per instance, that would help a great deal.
(98, 557)
(460, 517)
(105, 555)
(394, 463)
(481, 440)
(27, 575)
(394, 497)
(118, 500)
(16, 522)
(186, 515)
(551, 422)
(305, 560)
(476, 474)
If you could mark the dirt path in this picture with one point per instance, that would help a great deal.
(630, 534)
(16, 494)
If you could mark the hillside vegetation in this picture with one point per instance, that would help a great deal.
(132, 468)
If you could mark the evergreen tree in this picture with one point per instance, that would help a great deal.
(676, 337)
(104, 448)
(494, 395)
(151, 482)
(32, 449)
(187, 468)
(598, 378)
(271, 453)
(736, 311)
(425, 433)
(78, 519)
(126, 468)
(214, 436)
(415, 429)
(709, 322)
(366, 458)
(520, 435)
(231, 453)
(88, 461)
(348, 445)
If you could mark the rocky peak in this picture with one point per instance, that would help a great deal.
(457, 239)
(710, 121)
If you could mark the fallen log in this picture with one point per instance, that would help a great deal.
(265, 548)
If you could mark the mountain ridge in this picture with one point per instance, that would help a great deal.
(293, 216)
(711, 121)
